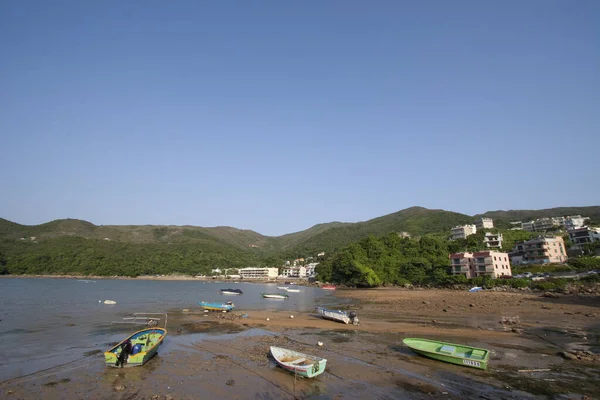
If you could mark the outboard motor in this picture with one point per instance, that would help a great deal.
(124, 355)
(353, 317)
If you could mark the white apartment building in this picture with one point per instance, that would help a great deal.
(293, 272)
(461, 232)
(493, 240)
(528, 226)
(310, 270)
(582, 236)
(574, 222)
(484, 223)
(258, 273)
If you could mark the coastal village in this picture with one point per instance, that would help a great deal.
(548, 247)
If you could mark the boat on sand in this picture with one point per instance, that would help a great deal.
(215, 306)
(299, 363)
(458, 354)
(338, 315)
(136, 349)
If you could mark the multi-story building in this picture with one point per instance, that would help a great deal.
(258, 273)
(582, 236)
(493, 240)
(310, 270)
(492, 263)
(462, 264)
(574, 222)
(480, 263)
(293, 272)
(484, 223)
(528, 226)
(544, 250)
(543, 224)
(461, 232)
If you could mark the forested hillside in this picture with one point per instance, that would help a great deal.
(75, 246)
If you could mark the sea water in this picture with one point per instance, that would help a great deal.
(45, 322)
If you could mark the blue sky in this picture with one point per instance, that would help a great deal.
(275, 116)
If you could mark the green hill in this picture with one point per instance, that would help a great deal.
(75, 245)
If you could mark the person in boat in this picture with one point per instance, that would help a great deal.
(125, 350)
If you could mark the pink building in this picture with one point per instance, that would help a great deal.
(492, 263)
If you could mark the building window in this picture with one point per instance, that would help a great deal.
(494, 258)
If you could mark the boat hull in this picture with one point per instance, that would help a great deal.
(297, 363)
(337, 315)
(467, 356)
(148, 339)
(274, 296)
(231, 292)
(216, 306)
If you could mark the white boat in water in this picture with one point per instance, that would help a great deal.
(338, 315)
(274, 296)
(282, 287)
(293, 290)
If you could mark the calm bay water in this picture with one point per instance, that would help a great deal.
(47, 322)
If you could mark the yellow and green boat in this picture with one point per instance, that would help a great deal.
(140, 347)
(467, 356)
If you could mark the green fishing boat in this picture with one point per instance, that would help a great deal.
(449, 352)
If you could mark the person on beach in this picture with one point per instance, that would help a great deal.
(125, 350)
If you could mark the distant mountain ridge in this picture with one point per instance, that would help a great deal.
(321, 237)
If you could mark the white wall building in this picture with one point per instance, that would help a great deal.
(293, 272)
(582, 236)
(258, 273)
(310, 270)
(528, 226)
(493, 240)
(461, 232)
(574, 222)
(484, 223)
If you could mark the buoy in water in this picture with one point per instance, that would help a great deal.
(268, 319)
(320, 344)
(291, 316)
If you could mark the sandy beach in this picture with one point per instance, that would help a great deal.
(541, 347)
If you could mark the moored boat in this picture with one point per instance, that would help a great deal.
(282, 287)
(328, 287)
(467, 356)
(215, 306)
(231, 291)
(136, 349)
(274, 295)
(299, 363)
(293, 290)
(338, 315)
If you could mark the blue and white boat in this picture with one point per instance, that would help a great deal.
(217, 306)
(338, 315)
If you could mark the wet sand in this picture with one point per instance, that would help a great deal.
(215, 355)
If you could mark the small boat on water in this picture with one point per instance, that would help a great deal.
(110, 302)
(274, 296)
(136, 349)
(338, 315)
(215, 306)
(293, 290)
(282, 287)
(298, 363)
(231, 291)
(449, 352)
(328, 287)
